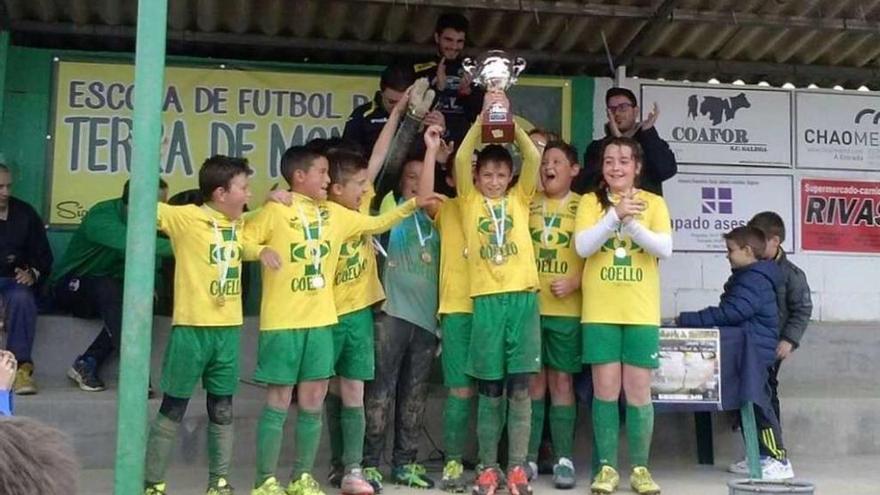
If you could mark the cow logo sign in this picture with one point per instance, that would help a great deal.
(716, 108)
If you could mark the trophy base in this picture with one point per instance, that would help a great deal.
(498, 126)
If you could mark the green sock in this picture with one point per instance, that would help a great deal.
(220, 442)
(639, 429)
(270, 430)
(332, 414)
(606, 429)
(489, 421)
(537, 429)
(308, 438)
(163, 433)
(519, 423)
(562, 429)
(353, 427)
(455, 426)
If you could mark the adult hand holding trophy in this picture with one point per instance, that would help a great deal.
(496, 71)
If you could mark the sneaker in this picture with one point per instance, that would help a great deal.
(518, 481)
(24, 380)
(563, 474)
(269, 487)
(545, 458)
(354, 483)
(334, 477)
(374, 478)
(775, 470)
(84, 373)
(641, 482)
(453, 477)
(221, 487)
(606, 481)
(532, 470)
(155, 489)
(487, 482)
(305, 485)
(739, 467)
(412, 475)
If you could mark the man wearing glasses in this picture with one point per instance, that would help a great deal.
(659, 161)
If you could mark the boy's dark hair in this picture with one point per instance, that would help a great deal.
(452, 20)
(570, 152)
(398, 77)
(770, 223)
(637, 154)
(297, 158)
(4, 168)
(494, 153)
(344, 164)
(188, 197)
(35, 458)
(218, 171)
(125, 189)
(551, 136)
(748, 236)
(621, 92)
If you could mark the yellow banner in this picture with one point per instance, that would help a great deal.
(207, 111)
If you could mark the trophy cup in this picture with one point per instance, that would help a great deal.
(495, 71)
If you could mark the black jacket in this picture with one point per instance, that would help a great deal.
(365, 123)
(794, 301)
(459, 110)
(23, 242)
(659, 163)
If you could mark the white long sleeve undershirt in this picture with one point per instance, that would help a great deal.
(590, 240)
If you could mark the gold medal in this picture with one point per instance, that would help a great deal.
(620, 252)
(318, 282)
(464, 253)
(426, 257)
(221, 300)
(498, 259)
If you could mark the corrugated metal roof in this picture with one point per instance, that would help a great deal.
(803, 41)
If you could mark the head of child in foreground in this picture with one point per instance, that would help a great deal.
(306, 171)
(559, 167)
(410, 176)
(771, 224)
(621, 164)
(745, 245)
(224, 184)
(494, 171)
(348, 178)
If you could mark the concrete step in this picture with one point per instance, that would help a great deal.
(829, 388)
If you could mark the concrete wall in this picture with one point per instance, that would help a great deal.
(844, 287)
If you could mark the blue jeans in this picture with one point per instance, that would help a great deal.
(21, 318)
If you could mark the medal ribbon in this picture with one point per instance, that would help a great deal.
(423, 239)
(314, 248)
(545, 230)
(498, 222)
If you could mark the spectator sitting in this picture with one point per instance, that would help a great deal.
(88, 282)
(749, 303)
(25, 261)
(35, 459)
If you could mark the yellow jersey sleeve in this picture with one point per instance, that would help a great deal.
(356, 284)
(621, 281)
(464, 175)
(352, 223)
(552, 226)
(528, 176)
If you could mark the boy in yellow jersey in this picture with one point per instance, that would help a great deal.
(356, 289)
(207, 318)
(455, 314)
(551, 222)
(296, 343)
(622, 231)
(505, 336)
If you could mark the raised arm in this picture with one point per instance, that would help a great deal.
(383, 143)
(528, 177)
(464, 175)
(426, 181)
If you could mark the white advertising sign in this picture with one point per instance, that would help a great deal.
(703, 207)
(838, 131)
(722, 125)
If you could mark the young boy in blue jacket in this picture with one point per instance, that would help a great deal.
(749, 302)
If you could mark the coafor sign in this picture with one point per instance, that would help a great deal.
(723, 126)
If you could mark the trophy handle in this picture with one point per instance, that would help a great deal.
(469, 65)
(519, 65)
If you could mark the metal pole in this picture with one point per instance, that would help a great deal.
(4, 56)
(140, 245)
(750, 434)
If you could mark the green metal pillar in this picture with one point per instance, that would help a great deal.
(140, 245)
(4, 55)
(750, 434)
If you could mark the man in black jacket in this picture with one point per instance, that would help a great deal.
(366, 121)
(659, 161)
(25, 261)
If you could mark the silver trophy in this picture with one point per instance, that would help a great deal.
(495, 71)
